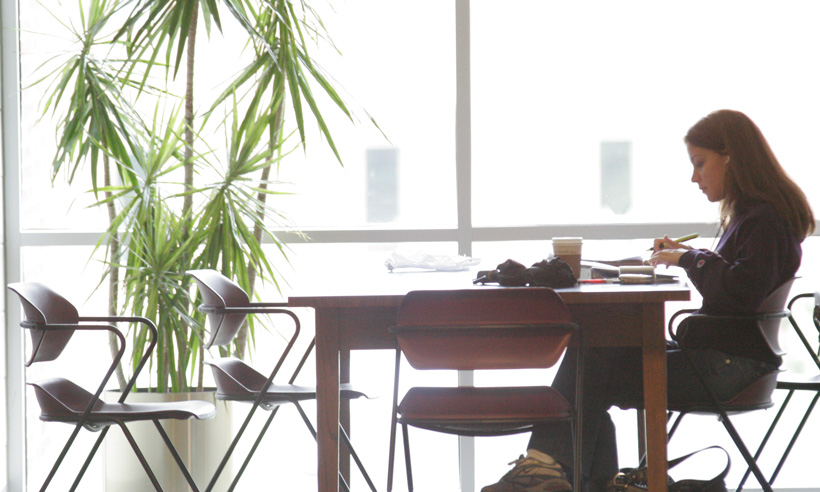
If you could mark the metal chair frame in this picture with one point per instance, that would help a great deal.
(460, 328)
(269, 396)
(758, 395)
(50, 338)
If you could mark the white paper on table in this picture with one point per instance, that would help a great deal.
(426, 261)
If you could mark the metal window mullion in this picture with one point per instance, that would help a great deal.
(463, 128)
(466, 444)
(15, 459)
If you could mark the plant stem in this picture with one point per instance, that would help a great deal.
(114, 275)
(187, 205)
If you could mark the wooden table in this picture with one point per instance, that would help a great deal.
(350, 318)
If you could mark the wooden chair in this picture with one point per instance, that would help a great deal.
(758, 395)
(227, 305)
(483, 328)
(51, 321)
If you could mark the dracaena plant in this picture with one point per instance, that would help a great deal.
(175, 203)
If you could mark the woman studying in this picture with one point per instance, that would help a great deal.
(764, 217)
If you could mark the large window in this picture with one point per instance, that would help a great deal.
(579, 108)
(574, 120)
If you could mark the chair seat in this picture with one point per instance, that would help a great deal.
(288, 393)
(237, 381)
(756, 396)
(63, 401)
(527, 403)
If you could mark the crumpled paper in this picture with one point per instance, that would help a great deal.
(426, 261)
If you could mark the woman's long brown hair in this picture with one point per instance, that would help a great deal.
(754, 174)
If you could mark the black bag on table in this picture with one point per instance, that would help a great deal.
(554, 273)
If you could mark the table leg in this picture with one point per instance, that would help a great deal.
(654, 370)
(327, 399)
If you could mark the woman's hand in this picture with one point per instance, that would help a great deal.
(667, 252)
(668, 257)
(667, 243)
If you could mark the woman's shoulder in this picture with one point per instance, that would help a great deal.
(758, 218)
(758, 211)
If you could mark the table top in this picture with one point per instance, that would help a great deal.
(389, 288)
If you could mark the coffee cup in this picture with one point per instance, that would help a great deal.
(569, 250)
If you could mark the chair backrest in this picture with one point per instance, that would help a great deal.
(219, 294)
(468, 329)
(774, 305)
(42, 307)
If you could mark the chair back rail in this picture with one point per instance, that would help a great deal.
(219, 292)
(775, 304)
(42, 306)
(492, 329)
(694, 332)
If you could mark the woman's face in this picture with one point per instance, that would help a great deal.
(709, 171)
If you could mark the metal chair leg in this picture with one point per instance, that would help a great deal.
(741, 446)
(770, 432)
(355, 456)
(391, 458)
(220, 468)
(140, 457)
(88, 459)
(794, 438)
(60, 458)
(177, 458)
(342, 481)
(404, 434)
(253, 450)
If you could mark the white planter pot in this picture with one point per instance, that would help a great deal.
(200, 443)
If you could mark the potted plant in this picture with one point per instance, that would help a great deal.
(175, 203)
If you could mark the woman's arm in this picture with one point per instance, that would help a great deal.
(754, 257)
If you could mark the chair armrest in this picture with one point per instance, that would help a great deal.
(675, 316)
(810, 349)
(84, 326)
(785, 313)
(152, 328)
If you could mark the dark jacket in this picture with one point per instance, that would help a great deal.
(755, 255)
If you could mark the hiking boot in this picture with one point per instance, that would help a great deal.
(536, 472)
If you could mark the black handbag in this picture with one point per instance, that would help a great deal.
(635, 479)
(554, 273)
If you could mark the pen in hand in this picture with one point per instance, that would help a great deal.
(679, 240)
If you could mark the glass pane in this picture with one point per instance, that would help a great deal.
(43, 204)
(598, 95)
(402, 177)
(406, 81)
